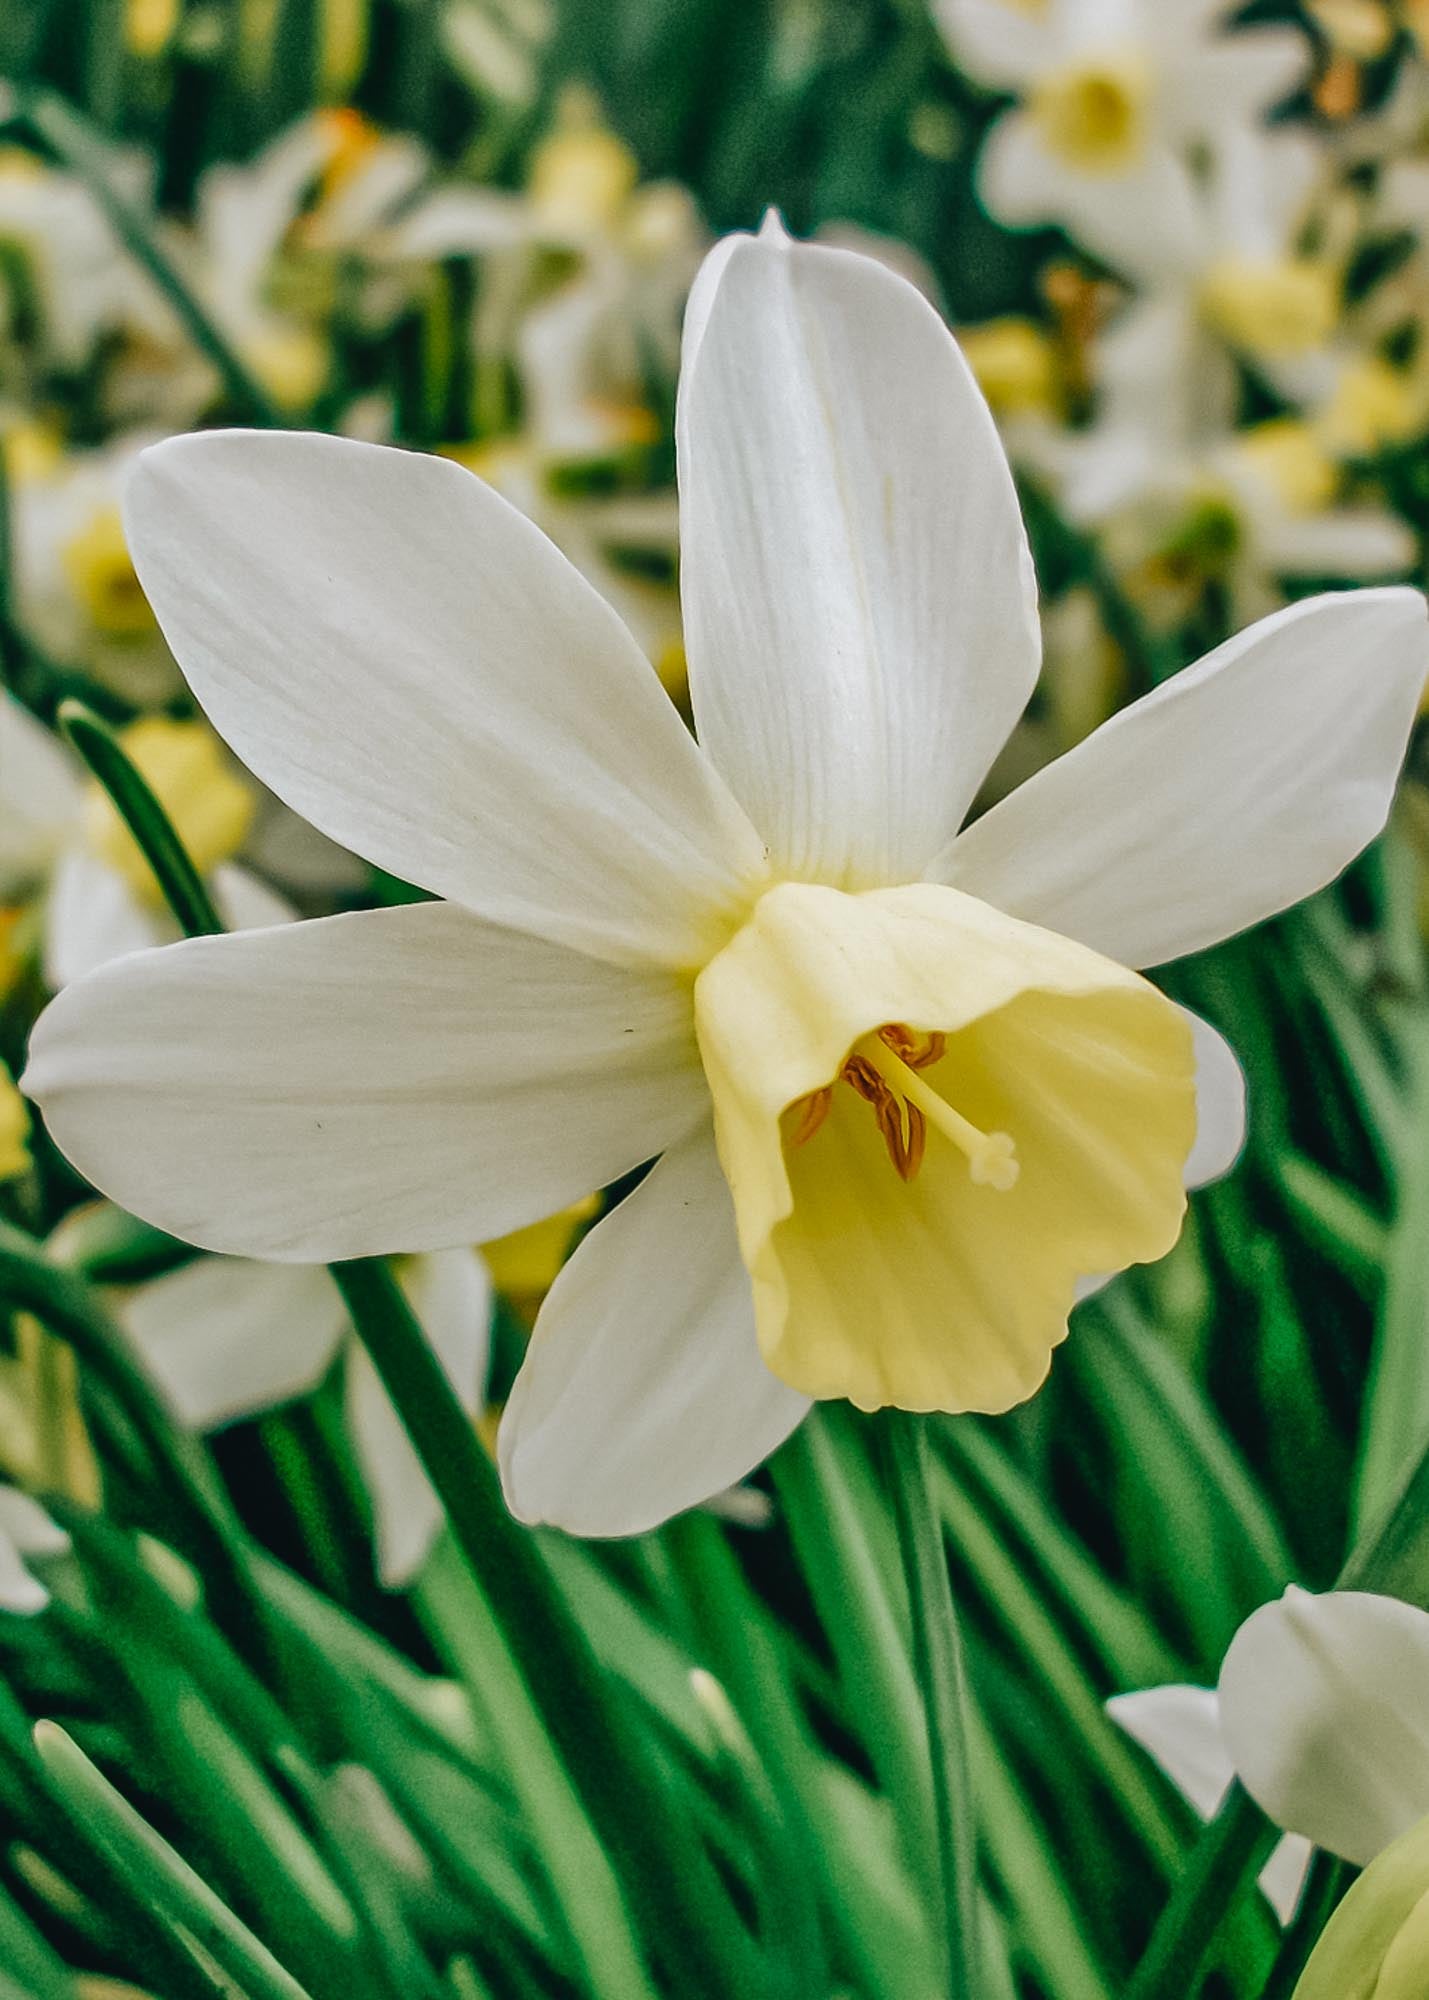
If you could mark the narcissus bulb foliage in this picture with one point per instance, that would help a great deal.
(904, 1093)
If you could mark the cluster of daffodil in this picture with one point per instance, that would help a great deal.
(1236, 353)
(587, 962)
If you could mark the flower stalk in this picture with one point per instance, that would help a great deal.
(938, 1667)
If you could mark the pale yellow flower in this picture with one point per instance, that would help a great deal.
(904, 1096)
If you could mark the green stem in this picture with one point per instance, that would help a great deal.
(938, 1666)
(844, 1546)
(1228, 1855)
(155, 1952)
(146, 819)
(450, 1601)
(620, 1788)
(70, 139)
(1328, 1880)
(734, 1630)
(151, 1867)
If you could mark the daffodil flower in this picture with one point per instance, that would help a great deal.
(1175, 490)
(1324, 1713)
(1324, 1704)
(75, 588)
(73, 269)
(225, 1338)
(902, 1093)
(329, 183)
(1115, 98)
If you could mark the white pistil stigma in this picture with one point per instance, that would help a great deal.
(991, 1156)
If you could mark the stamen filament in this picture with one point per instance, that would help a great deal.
(991, 1156)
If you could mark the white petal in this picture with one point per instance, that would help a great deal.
(1018, 180)
(394, 1080)
(19, 1591)
(1181, 1728)
(704, 291)
(406, 1513)
(244, 212)
(450, 1292)
(1220, 1105)
(224, 1336)
(1144, 220)
(1000, 46)
(460, 222)
(1236, 81)
(41, 798)
(245, 901)
(1324, 1712)
(1282, 1879)
(644, 1392)
(1343, 541)
(360, 202)
(860, 609)
(28, 1526)
(411, 665)
(1242, 784)
(92, 915)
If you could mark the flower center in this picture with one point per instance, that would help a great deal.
(1015, 364)
(1284, 455)
(97, 564)
(946, 1283)
(1272, 306)
(581, 176)
(883, 1070)
(1094, 117)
